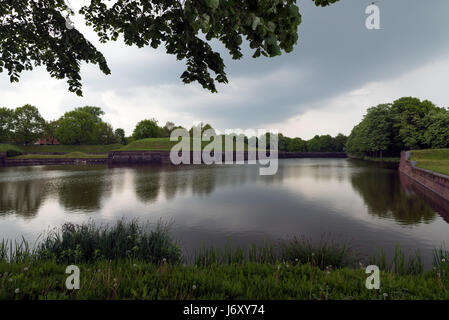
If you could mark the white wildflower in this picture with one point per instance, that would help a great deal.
(17, 291)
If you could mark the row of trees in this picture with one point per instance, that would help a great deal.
(407, 123)
(84, 125)
(323, 143)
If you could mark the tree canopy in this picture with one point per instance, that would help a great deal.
(34, 33)
(407, 123)
(28, 124)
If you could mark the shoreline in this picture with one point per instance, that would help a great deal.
(144, 157)
(149, 264)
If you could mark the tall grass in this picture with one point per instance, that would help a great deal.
(86, 243)
(298, 250)
(324, 253)
(15, 251)
(401, 263)
(129, 240)
(208, 256)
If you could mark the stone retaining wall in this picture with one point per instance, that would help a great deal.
(47, 162)
(163, 157)
(155, 157)
(2, 159)
(438, 183)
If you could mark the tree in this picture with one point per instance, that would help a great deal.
(104, 134)
(203, 127)
(340, 142)
(407, 123)
(408, 114)
(28, 124)
(6, 124)
(147, 129)
(297, 145)
(50, 131)
(323, 143)
(76, 127)
(96, 112)
(34, 33)
(168, 128)
(437, 129)
(120, 135)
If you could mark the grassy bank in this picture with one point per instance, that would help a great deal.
(396, 160)
(132, 261)
(10, 150)
(436, 160)
(69, 149)
(385, 159)
(164, 144)
(72, 155)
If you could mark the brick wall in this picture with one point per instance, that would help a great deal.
(436, 182)
(136, 157)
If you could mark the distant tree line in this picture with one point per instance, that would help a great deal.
(84, 125)
(407, 123)
(324, 143)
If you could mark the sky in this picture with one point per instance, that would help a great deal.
(337, 70)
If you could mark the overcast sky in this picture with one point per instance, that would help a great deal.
(337, 70)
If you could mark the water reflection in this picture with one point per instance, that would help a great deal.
(22, 197)
(363, 201)
(382, 193)
(412, 188)
(84, 191)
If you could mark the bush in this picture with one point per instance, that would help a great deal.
(87, 243)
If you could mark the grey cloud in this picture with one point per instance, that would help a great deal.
(335, 54)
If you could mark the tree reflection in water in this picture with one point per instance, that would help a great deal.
(393, 201)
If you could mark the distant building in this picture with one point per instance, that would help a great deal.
(47, 141)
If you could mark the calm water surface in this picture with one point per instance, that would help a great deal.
(370, 205)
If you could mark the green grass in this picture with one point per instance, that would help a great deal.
(134, 279)
(385, 159)
(133, 261)
(430, 154)
(163, 144)
(156, 144)
(72, 155)
(436, 160)
(10, 150)
(70, 148)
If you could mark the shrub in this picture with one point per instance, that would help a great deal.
(87, 243)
